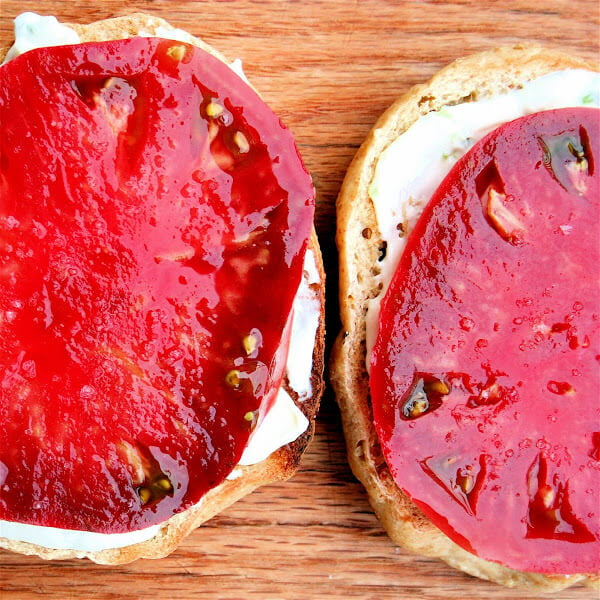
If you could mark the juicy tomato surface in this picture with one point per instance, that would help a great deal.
(485, 372)
(154, 215)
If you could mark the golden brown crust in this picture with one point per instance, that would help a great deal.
(280, 465)
(358, 240)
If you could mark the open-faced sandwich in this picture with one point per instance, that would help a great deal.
(467, 366)
(161, 290)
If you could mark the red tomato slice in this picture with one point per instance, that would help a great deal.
(154, 215)
(485, 372)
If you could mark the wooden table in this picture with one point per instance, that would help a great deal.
(328, 68)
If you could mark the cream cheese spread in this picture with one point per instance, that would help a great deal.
(36, 31)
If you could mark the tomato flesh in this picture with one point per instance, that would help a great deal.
(485, 372)
(154, 214)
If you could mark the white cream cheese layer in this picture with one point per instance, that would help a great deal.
(36, 31)
(307, 313)
(413, 166)
(284, 422)
(70, 539)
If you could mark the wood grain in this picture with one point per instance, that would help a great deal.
(328, 68)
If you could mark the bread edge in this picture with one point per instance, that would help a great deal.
(281, 464)
(477, 76)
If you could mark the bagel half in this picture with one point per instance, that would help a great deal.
(282, 463)
(360, 245)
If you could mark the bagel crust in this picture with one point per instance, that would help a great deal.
(281, 464)
(359, 243)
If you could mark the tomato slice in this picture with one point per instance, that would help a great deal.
(485, 372)
(154, 214)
